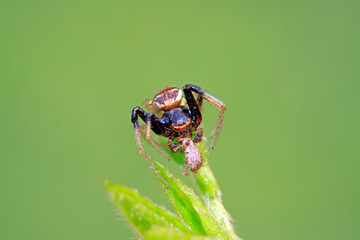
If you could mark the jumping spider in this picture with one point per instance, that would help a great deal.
(171, 120)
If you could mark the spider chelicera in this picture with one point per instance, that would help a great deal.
(177, 123)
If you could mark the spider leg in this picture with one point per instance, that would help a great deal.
(155, 145)
(218, 104)
(148, 125)
(200, 102)
(137, 111)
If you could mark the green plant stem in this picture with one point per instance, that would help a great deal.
(209, 189)
(211, 194)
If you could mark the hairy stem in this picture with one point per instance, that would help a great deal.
(209, 189)
(211, 194)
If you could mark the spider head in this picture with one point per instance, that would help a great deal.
(168, 98)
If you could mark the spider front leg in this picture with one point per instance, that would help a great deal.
(194, 108)
(139, 130)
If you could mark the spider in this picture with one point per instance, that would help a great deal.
(177, 123)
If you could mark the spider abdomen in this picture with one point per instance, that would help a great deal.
(168, 98)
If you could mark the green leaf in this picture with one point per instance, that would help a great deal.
(141, 213)
(188, 205)
(158, 233)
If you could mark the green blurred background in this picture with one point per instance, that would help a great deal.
(71, 71)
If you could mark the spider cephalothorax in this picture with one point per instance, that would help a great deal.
(176, 122)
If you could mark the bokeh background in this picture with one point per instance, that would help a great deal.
(71, 71)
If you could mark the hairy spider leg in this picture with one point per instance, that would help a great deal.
(148, 125)
(218, 104)
(142, 129)
(193, 107)
(200, 102)
(137, 111)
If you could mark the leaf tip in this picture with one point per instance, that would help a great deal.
(106, 183)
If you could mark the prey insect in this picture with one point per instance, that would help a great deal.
(170, 119)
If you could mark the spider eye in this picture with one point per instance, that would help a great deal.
(165, 120)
